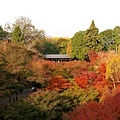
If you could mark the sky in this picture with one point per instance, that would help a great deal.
(62, 18)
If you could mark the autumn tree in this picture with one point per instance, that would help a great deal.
(112, 70)
(41, 71)
(58, 83)
(3, 74)
(17, 58)
(97, 111)
(13, 68)
(92, 56)
(68, 50)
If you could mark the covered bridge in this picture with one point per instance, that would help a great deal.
(57, 57)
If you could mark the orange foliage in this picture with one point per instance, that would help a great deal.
(94, 79)
(102, 84)
(42, 70)
(93, 56)
(104, 56)
(82, 81)
(58, 83)
(47, 66)
(102, 68)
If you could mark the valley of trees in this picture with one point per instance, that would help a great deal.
(85, 88)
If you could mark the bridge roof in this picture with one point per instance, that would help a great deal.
(58, 56)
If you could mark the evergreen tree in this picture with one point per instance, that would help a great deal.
(107, 38)
(2, 33)
(17, 36)
(116, 37)
(50, 48)
(82, 42)
(77, 46)
(91, 38)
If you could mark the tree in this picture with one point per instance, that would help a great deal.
(36, 44)
(116, 36)
(92, 56)
(84, 41)
(58, 83)
(62, 45)
(91, 38)
(112, 70)
(68, 50)
(17, 36)
(107, 40)
(50, 47)
(77, 46)
(14, 68)
(3, 33)
(104, 110)
(8, 31)
(17, 59)
(28, 29)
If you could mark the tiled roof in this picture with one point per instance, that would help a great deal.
(48, 56)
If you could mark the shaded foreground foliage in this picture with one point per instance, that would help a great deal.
(14, 60)
(48, 105)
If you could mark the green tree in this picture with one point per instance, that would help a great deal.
(21, 110)
(84, 41)
(77, 46)
(91, 38)
(107, 39)
(2, 33)
(37, 44)
(17, 36)
(62, 45)
(50, 47)
(116, 32)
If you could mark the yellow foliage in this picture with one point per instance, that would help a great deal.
(113, 69)
(58, 38)
(119, 49)
(68, 51)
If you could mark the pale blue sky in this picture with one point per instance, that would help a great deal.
(63, 18)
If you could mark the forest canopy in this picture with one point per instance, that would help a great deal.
(86, 87)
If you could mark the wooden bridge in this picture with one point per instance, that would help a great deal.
(57, 57)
